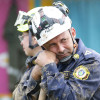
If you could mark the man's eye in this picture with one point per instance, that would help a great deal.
(52, 45)
(64, 40)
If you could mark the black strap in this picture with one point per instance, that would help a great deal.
(30, 40)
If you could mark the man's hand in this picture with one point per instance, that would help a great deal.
(36, 72)
(45, 58)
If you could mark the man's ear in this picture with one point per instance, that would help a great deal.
(73, 32)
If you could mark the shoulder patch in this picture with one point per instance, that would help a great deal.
(87, 52)
(81, 72)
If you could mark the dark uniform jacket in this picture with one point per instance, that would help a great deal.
(28, 88)
(78, 79)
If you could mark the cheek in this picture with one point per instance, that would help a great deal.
(26, 45)
(54, 50)
(26, 42)
(70, 46)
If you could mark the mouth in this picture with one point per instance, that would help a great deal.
(61, 56)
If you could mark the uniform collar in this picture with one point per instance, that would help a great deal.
(83, 50)
(81, 47)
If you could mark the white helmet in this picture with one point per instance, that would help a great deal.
(22, 24)
(22, 19)
(49, 22)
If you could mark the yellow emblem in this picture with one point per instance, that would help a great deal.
(81, 72)
(76, 56)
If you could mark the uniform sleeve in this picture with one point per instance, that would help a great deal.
(27, 89)
(59, 88)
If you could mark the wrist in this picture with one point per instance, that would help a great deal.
(36, 77)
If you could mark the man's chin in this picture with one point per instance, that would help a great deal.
(60, 58)
(64, 59)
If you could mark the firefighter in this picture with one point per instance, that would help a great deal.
(76, 76)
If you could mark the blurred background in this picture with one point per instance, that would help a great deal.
(85, 16)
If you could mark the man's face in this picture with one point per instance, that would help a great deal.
(25, 44)
(61, 45)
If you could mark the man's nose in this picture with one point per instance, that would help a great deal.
(21, 43)
(60, 48)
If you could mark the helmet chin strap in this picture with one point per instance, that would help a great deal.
(67, 58)
(30, 40)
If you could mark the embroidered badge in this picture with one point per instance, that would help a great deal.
(81, 73)
(87, 52)
(66, 74)
(76, 56)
